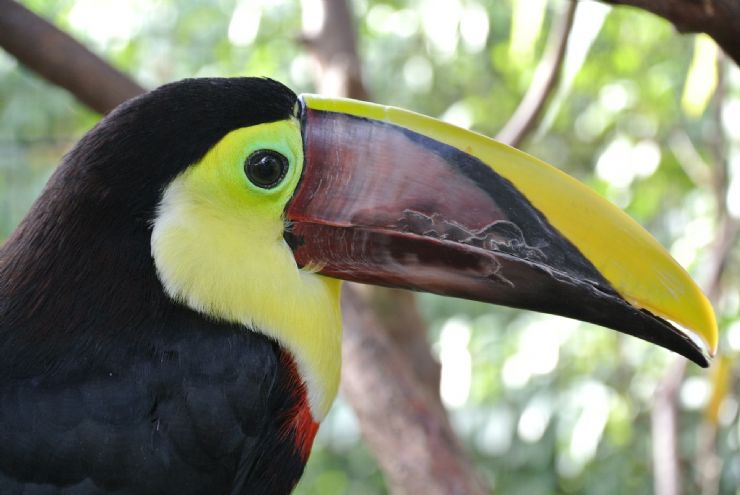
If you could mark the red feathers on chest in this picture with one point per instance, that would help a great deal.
(298, 425)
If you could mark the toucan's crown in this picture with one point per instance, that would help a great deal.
(147, 141)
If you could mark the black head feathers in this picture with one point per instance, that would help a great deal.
(144, 143)
(79, 264)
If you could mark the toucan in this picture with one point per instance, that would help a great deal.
(169, 307)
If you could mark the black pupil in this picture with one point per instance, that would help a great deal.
(266, 168)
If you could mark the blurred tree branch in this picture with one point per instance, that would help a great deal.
(709, 463)
(720, 19)
(666, 459)
(667, 478)
(413, 442)
(389, 375)
(329, 35)
(727, 225)
(544, 82)
(331, 41)
(61, 60)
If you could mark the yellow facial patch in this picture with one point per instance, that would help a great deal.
(218, 247)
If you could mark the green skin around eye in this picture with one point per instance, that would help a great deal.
(282, 138)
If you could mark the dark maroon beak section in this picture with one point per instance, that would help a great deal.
(381, 205)
(384, 205)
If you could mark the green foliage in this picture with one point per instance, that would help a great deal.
(553, 406)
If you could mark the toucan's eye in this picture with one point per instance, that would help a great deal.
(266, 168)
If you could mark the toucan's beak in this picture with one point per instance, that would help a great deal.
(393, 198)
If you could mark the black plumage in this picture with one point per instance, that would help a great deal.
(106, 384)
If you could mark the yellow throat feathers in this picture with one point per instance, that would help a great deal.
(218, 246)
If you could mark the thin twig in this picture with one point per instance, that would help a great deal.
(545, 80)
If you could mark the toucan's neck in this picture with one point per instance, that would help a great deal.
(75, 270)
(233, 267)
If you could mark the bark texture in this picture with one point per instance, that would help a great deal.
(413, 442)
